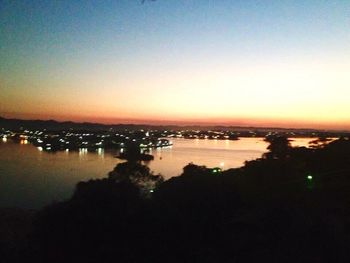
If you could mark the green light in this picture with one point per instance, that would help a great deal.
(309, 177)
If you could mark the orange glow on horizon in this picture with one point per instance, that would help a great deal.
(242, 122)
(287, 67)
(289, 93)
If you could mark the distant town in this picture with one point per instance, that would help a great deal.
(67, 136)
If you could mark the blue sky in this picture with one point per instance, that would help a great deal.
(135, 56)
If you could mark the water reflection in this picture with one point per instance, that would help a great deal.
(301, 142)
(213, 153)
(31, 177)
(23, 141)
(100, 152)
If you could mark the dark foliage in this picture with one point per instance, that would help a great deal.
(292, 205)
(133, 154)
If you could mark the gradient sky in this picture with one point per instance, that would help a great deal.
(280, 63)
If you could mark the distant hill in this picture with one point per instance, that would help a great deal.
(52, 125)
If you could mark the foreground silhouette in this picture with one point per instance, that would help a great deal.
(292, 205)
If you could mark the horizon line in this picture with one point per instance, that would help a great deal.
(160, 123)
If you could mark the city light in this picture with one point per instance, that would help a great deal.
(100, 151)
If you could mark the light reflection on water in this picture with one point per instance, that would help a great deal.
(301, 141)
(212, 153)
(31, 178)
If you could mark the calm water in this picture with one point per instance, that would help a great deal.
(30, 178)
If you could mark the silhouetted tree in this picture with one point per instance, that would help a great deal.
(279, 147)
(137, 174)
(320, 142)
(264, 211)
(132, 153)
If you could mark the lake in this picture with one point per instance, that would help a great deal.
(30, 178)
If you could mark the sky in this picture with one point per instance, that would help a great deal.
(229, 62)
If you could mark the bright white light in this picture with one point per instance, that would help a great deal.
(222, 164)
(40, 149)
(99, 151)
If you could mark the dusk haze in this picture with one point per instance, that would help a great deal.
(249, 63)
